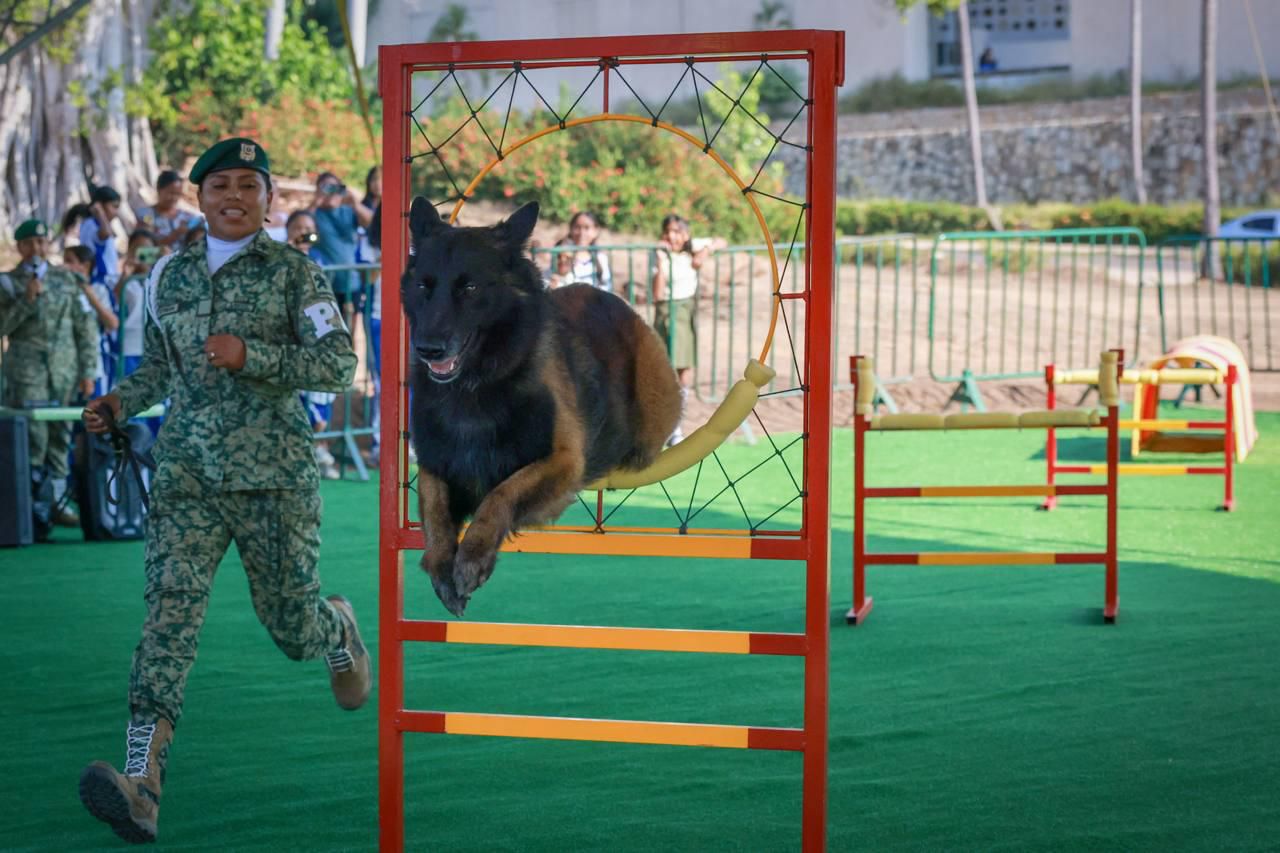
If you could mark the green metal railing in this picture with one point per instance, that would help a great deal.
(1221, 286)
(1004, 304)
(736, 298)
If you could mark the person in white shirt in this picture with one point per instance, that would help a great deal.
(586, 265)
(675, 287)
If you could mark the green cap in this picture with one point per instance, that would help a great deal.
(31, 228)
(235, 153)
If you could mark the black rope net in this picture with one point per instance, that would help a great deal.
(463, 119)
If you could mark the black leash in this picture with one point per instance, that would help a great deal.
(127, 459)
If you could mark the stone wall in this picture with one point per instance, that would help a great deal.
(1073, 153)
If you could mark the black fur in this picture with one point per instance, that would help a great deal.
(497, 362)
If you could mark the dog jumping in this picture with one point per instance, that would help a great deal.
(520, 395)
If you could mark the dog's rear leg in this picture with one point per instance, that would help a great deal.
(440, 532)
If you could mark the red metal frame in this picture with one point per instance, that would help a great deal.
(1227, 426)
(1108, 558)
(397, 63)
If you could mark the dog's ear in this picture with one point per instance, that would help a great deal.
(518, 227)
(423, 218)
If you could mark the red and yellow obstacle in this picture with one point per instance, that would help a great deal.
(1233, 435)
(865, 420)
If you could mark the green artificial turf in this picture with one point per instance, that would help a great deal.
(979, 708)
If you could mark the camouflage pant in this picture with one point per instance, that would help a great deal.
(47, 441)
(278, 536)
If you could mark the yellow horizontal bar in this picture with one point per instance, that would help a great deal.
(614, 731)
(1154, 424)
(985, 491)
(624, 544)
(586, 637)
(1166, 376)
(988, 558)
(1143, 470)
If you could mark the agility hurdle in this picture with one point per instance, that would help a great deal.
(611, 59)
(865, 420)
(1140, 425)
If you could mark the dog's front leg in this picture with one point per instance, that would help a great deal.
(537, 492)
(440, 533)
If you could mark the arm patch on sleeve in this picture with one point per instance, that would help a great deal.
(326, 318)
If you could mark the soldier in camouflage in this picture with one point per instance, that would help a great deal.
(53, 346)
(237, 325)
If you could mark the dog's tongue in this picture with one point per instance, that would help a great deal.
(443, 368)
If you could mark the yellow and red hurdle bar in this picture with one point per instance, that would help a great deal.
(1165, 376)
(864, 421)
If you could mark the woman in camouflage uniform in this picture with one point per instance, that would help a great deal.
(236, 325)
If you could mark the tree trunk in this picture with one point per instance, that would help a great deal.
(275, 30)
(1209, 128)
(971, 110)
(1135, 101)
(59, 121)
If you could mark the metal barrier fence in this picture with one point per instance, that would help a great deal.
(735, 304)
(1004, 304)
(1221, 286)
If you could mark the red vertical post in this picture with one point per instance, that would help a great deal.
(393, 84)
(827, 69)
(1229, 443)
(861, 604)
(1051, 440)
(1112, 604)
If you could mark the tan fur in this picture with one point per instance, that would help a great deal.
(657, 396)
(438, 528)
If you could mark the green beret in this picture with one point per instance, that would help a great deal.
(236, 153)
(31, 228)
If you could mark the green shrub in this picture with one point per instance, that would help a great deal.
(628, 173)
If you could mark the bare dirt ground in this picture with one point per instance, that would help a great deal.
(995, 315)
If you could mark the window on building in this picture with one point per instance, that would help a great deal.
(996, 21)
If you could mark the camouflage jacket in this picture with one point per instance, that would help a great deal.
(52, 341)
(230, 431)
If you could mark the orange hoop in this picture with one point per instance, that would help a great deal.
(688, 137)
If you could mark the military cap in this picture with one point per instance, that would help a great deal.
(235, 153)
(31, 228)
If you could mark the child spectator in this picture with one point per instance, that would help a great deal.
(300, 232)
(588, 265)
(559, 271)
(80, 261)
(143, 253)
(95, 230)
(168, 222)
(675, 287)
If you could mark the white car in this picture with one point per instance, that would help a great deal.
(1260, 223)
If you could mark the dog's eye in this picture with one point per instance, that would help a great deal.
(426, 284)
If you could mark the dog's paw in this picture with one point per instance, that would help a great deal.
(442, 582)
(449, 597)
(471, 571)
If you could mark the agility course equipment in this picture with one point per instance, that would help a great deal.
(1222, 286)
(610, 61)
(1233, 436)
(865, 420)
(1004, 304)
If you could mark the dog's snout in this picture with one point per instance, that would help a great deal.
(432, 351)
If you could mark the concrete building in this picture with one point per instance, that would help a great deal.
(1029, 39)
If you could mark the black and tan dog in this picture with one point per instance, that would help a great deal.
(520, 395)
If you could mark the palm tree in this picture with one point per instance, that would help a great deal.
(1209, 126)
(971, 113)
(1135, 101)
(961, 8)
